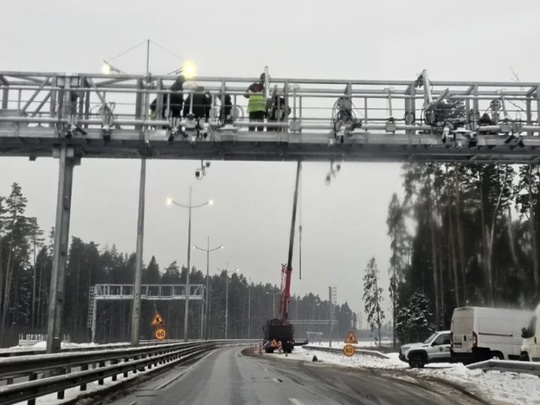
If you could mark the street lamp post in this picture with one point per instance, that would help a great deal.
(227, 298)
(207, 250)
(313, 314)
(273, 302)
(189, 207)
(249, 307)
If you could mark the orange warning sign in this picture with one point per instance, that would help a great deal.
(274, 343)
(348, 350)
(160, 333)
(351, 338)
(157, 320)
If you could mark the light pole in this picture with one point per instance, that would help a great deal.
(170, 201)
(249, 307)
(273, 302)
(207, 250)
(313, 314)
(227, 298)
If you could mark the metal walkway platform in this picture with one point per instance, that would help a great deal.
(376, 120)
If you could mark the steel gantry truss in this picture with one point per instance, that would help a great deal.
(150, 292)
(358, 120)
(71, 116)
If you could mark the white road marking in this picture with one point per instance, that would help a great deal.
(294, 401)
(166, 383)
(133, 403)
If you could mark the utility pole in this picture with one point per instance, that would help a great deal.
(186, 313)
(249, 309)
(136, 307)
(226, 300)
(207, 306)
(332, 298)
(170, 201)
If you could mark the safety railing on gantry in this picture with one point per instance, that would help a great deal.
(134, 115)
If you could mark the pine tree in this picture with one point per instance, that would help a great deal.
(373, 297)
(17, 252)
(414, 320)
(398, 245)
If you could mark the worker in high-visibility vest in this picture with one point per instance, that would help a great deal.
(256, 103)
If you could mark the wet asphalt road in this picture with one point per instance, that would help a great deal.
(226, 376)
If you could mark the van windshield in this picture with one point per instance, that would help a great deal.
(430, 339)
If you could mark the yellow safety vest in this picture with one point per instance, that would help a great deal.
(257, 102)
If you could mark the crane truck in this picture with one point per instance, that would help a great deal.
(279, 331)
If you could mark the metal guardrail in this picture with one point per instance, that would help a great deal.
(514, 366)
(50, 373)
(112, 346)
(364, 352)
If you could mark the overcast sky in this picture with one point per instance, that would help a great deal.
(344, 223)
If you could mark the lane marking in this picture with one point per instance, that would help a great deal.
(294, 401)
(167, 383)
(277, 380)
(132, 403)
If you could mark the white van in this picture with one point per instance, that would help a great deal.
(530, 349)
(487, 333)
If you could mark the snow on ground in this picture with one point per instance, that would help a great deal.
(393, 361)
(65, 345)
(505, 387)
(362, 344)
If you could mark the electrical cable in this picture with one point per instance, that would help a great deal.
(127, 50)
(166, 50)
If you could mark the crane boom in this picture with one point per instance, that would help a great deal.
(286, 271)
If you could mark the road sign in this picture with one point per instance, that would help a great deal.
(273, 343)
(351, 338)
(157, 320)
(160, 333)
(349, 350)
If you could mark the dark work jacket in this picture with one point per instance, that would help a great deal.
(177, 101)
(202, 103)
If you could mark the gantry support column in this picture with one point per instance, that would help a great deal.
(61, 239)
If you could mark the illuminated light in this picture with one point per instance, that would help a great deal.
(189, 70)
(211, 202)
(106, 68)
(169, 201)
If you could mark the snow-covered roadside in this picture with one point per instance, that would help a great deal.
(504, 387)
(65, 345)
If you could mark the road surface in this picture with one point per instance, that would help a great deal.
(226, 376)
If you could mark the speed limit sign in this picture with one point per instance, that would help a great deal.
(348, 350)
(160, 333)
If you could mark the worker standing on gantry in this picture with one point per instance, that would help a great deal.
(256, 103)
(279, 111)
(197, 108)
(176, 102)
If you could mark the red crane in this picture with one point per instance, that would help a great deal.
(280, 330)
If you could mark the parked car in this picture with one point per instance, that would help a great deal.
(530, 348)
(487, 333)
(435, 349)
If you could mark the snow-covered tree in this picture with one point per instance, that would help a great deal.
(413, 320)
(373, 297)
